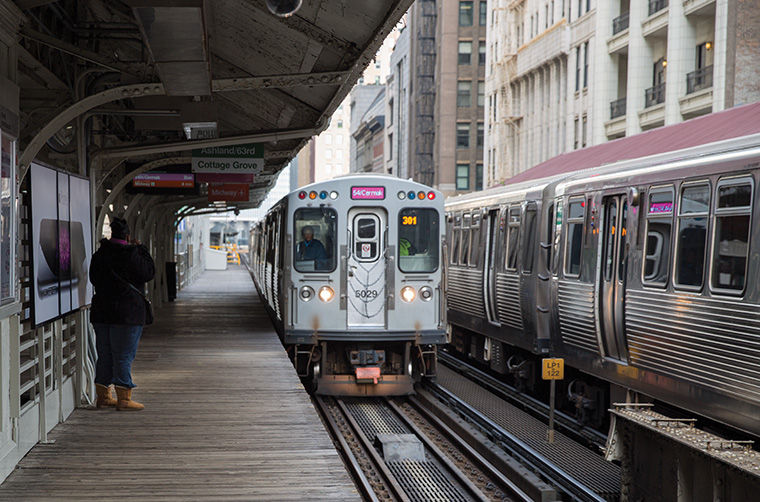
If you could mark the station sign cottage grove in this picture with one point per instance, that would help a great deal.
(241, 159)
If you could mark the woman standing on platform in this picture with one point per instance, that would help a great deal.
(119, 270)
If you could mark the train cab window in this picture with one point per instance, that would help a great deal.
(315, 242)
(513, 237)
(574, 239)
(693, 212)
(529, 238)
(732, 227)
(657, 245)
(419, 240)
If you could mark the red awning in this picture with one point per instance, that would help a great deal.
(727, 124)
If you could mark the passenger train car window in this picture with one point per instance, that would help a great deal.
(513, 237)
(456, 237)
(610, 218)
(732, 227)
(574, 246)
(555, 233)
(475, 250)
(315, 242)
(658, 231)
(693, 212)
(550, 236)
(465, 257)
(418, 240)
(529, 238)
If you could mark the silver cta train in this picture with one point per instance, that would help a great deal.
(350, 271)
(642, 274)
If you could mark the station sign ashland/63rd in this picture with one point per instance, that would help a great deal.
(242, 159)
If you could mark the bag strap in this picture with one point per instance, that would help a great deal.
(130, 285)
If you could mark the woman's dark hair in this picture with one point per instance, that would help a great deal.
(119, 228)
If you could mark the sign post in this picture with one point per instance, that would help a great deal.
(553, 369)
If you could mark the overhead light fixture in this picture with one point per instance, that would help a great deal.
(284, 8)
(708, 45)
(199, 130)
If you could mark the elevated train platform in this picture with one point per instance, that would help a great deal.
(226, 417)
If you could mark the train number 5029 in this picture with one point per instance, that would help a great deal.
(370, 294)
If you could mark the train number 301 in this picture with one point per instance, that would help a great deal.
(370, 294)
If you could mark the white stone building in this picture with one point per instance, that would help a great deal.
(565, 74)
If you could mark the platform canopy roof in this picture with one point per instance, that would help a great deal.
(191, 73)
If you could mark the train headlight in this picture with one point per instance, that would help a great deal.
(326, 293)
(333, 195)
(408, 294)
(426, 293)
(306, 293)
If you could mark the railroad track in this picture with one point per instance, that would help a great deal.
(431, 461)
(563, 422)
(516, 428)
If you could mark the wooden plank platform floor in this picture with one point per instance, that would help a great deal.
(225, 417)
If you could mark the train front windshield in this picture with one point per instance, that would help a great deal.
(418, 240)
(315, 240)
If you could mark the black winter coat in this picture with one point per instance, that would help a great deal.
(114, 301)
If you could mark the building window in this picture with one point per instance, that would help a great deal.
(576, 136)
(377, 80)
(478, 176)
(580, 8)
(390, 147)
(585, 125)
(483, 13)
(481, 93)
(551, 13)
(328, 139)
(479, 141)
(463, 176)
(463, 135)
(585, 65)
(328, 153)
(390, 111)
(338, 139)
(465, 52)
(340, 124)
(481, 52)
(465, 13)
(577, 68)
(546, 16)
(464, 88)
(732, 228)
(693, 214)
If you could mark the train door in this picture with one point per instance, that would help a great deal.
(489, 266)
(366, 268)
(612, 277)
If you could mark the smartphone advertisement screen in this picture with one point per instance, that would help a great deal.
(62, 242)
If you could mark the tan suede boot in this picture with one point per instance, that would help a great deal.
(125, 400)
(105, 398)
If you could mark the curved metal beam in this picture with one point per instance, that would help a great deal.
(83, 106)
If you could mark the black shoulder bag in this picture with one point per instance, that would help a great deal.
(148, 304)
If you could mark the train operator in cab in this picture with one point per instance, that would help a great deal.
(312, 249)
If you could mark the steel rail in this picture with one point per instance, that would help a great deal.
(535, 407)
(441, 457)
(364, 484)
(507, 485)
(519, 449)
(382, 468)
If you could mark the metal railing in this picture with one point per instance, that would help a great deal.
(655, 95)
(657, 5)
(699, 79)
(617, 108)
(620, 23)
